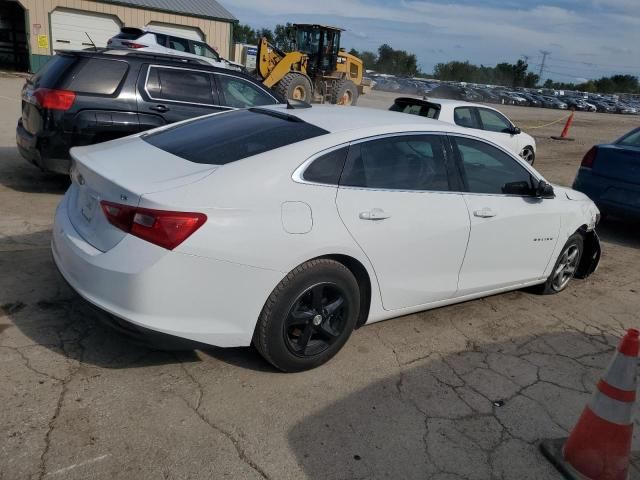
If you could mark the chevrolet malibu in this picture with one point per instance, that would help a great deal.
(290, 227)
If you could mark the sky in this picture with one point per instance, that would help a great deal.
(586, 38)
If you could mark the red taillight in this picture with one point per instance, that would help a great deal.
(133, 45)
(589, 158)
(164, 228)
(54, 99)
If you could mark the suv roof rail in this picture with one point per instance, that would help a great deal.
(131, 53)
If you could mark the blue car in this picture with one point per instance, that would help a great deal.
(610, 176)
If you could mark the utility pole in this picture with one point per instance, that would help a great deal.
(544, 58)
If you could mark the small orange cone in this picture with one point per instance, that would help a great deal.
(599, 446)
(565, 131)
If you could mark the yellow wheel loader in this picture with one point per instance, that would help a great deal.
(318, 70)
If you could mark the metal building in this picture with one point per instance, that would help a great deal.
(31, 30)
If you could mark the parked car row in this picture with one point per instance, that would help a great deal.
(496, 94)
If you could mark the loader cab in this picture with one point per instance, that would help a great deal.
(321, 44)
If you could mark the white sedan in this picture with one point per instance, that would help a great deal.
(288, 228)
(493, 123)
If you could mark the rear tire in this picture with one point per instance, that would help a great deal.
(295, 86)
(565, 267)
(345, 93)
(309, 316)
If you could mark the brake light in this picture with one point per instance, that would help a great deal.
(164, 228)
(589, 158)
(133, 45)
(54, 99)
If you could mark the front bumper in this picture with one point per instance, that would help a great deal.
(200, 299)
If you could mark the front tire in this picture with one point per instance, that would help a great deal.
(309, 316)
(295, 86)
(565, 267)
(528, 155)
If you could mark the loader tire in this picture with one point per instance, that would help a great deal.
(345, 93)
(295, 86)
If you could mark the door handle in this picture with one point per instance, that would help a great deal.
(484, 213)
(374, 214)
(159, 108)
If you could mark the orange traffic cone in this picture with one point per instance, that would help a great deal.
(564, 135)
(599, 447)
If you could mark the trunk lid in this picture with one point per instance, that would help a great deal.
(121, 171)
(618, 162)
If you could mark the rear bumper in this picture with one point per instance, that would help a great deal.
(612, 196)
(35, 152)
(200, 299)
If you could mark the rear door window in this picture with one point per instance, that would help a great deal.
(99, 76)
(465, 117)
(231, 136)
(327, 168)
(179, 44)
(239, 93)
(179, 85)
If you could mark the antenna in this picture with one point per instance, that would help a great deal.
(93, 44)
(544, 58)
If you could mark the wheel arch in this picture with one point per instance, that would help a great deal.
(591, 254)
(361, 274)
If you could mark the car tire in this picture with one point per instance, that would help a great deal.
(295, 86)
(345, 93)
(565, 267)
(309, 316)
(528, 155)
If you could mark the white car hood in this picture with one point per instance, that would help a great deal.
(571, 194)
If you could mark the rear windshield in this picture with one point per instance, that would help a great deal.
(130, 34)
(631, 139)
(232, 136)
(51, 74)
(100, 76)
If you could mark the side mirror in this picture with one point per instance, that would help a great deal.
(544, 190)
(515, 130)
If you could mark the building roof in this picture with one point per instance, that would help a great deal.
(195, 8)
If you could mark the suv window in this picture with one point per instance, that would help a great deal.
(239, 93)
(231, 136)
(180, 85)
(203, 50)
(327, 168)
(99, 76)
(50, 75)
(465, 117)
(494, 121)
(179, 44)
(407, 162)
(488, 169)
(161, 38)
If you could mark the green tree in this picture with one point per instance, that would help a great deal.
(245, 34)
(283, 37)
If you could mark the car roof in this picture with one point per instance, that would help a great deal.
(444, 102)
(336, 119)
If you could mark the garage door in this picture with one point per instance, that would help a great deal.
(177, 30)
(68, 29)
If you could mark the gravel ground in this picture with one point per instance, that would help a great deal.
(462, 392)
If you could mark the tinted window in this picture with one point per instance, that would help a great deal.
(429, 111)
(179, 44)
(327, 168)
(51, 74)
(179, 85)
(493, 121)
(204, 50)
(240, 93)
(161, 39)
(631, 139)
(99, 76)
(465, 117)
(129, 34)
(411, 162)
(488, 169)
(231, 136)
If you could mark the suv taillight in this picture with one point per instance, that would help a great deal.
(54, 99)
(164, 228)
(133, 45)
(589, 158)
